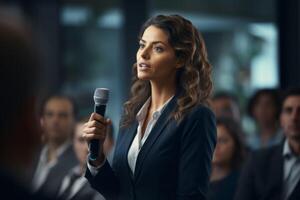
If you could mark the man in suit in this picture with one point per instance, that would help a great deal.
(57, 156)
(74, 185)
(274, 173)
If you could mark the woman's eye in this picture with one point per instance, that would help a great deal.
(141, 45)
(158, 49)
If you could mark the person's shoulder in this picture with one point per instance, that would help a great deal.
(263, 153)
(200, 115)
(199, 112)
(264, 156)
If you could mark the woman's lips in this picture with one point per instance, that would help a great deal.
(144, 66)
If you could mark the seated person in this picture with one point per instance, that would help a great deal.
(264, 108)
(227, 160)
(74, 185)
(225, 104)
(57, 156)
(274, 173)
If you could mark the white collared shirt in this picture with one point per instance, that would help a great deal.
(138, 140)
(44, 167)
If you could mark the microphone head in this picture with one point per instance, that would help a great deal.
(101, 96)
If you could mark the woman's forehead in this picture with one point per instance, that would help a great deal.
(154, 34)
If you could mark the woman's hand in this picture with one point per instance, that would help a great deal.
(96, 128)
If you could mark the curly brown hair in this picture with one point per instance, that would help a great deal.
(193, 80)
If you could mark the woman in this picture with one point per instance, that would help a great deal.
(264, 108)
(167, 135)
(228, 157)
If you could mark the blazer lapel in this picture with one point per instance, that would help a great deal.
(127, 138)
(154, 134)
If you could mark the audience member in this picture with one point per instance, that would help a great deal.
(19, 132)
(264, 108)
(225, 104)
(228, 158)
(74, 185)
(57, 156)
(274, 173)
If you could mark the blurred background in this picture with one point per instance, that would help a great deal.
(87, 44)
(253, 47)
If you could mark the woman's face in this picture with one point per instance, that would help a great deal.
(156, 60)
(224, 150)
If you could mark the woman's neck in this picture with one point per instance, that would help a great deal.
(160, 93)
(219, 172)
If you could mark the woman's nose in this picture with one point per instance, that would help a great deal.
(145, 53)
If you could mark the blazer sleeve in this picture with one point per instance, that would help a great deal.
(196, 150)
(105, 181)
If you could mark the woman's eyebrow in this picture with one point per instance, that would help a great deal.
(153, 42)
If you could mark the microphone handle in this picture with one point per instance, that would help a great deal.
(94, 144)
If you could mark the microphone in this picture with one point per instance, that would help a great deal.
(100, 98)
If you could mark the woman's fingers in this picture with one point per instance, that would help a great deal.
(95, 123)
(97, 117)
(95, 128)
(99, 131)
(91, 136)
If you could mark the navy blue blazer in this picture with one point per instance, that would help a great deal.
(174, 162)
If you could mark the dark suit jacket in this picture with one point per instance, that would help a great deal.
(86, 193)
(224, 189)
(65, 162)
(262, 176)
(79, 191)
(173, 163)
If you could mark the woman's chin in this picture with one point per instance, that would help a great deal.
(143, 77)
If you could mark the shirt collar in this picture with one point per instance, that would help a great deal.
(143, 111)
(141, 115)
(76, 170)
(63, 148)
(59, 151)
(287, 152)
